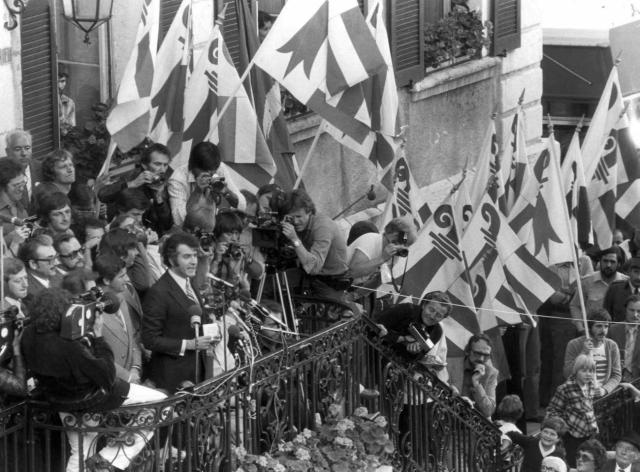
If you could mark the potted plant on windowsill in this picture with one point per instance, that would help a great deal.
(359, 442)
(458, 37)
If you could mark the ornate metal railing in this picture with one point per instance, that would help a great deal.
(617, 414)
(259, 405)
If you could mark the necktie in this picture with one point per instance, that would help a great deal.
(190, 293)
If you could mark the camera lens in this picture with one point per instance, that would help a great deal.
(404, 252)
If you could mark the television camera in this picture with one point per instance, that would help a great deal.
(268, 237)
(80, 317)
(10, 322)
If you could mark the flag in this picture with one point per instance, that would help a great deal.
(322, 51)
(516, 277)
(377, 97)
(540, 217)
(238, 135)
(169, 81)
(517, 172)
(264, 92)
(575, 189)
(601, 152)
(128, 121)
(404, 199)
(435, 262)
(488, 175)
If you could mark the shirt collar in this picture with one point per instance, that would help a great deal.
(44, 282)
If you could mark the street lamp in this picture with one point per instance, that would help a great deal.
(87, 14)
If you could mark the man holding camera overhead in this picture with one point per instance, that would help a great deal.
(319, 246)
(204, 173)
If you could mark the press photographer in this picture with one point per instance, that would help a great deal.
(229, 262)
(150, 177)
(203, 174)
(13, 379)
(78, 375)
(319, 246)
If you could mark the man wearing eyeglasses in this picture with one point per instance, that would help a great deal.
(627, 455)
(70, 254)
(40, 259)
(480, 378)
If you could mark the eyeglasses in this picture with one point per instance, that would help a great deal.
(581, 456)
(73, 254)
(546, 468)
(49, 259)
(482, 354)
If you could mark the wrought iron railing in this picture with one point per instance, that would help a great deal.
(617, 415)
(259, 405)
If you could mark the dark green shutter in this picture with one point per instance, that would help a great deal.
(168, 9)
(406, 31)
(39, 77)
(506, 26)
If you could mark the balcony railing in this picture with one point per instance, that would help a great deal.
(617, 415)
(258, 406)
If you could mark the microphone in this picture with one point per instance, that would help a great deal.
(426, 343)
(220, 281)
(195, 320)
(254, 304)
(110, 303)
(237, 308)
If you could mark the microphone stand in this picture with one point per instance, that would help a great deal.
(369, 194)
(195, 324)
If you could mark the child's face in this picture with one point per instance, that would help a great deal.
(549, 437)
(584, 376)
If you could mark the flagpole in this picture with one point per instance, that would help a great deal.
(307, 159)
(565, 212)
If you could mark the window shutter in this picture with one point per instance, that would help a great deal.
(506, 26)
(39, 78)
(406, 33)
(168, 10)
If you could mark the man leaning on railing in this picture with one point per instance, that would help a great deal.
(78, 378)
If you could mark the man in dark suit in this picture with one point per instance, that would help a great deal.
(166, 326)
(618, 292)
(19, 147)
(627, 455)
(40, 259)
(627, 339)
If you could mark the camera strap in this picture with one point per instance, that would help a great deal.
(404, 273)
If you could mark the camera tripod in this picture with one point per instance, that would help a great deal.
(283, 292)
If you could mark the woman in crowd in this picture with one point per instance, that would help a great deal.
(591, 456)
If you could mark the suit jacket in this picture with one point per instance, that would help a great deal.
(610, 466)
(165, 324)
(36, 288)
(618, 335)
(124, 342)
(615, 298)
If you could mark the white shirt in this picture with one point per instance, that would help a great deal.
(623, 469)
(182, 283)
(546, 452)
(45, 282)
(180, 186)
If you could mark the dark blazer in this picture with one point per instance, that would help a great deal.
(532, 455)
(614, 299)
(618, 335)
(165, 324)
(610, 466)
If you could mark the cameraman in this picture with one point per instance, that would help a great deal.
(201, 174)
(229, 262)
(150, 178)
(319, 245)
(13, 202)
(79, 376)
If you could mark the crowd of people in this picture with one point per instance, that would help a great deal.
(154, 250)
(117, 292)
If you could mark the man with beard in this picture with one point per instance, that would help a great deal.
(619, 292)
(595, 285)
(603, 350)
